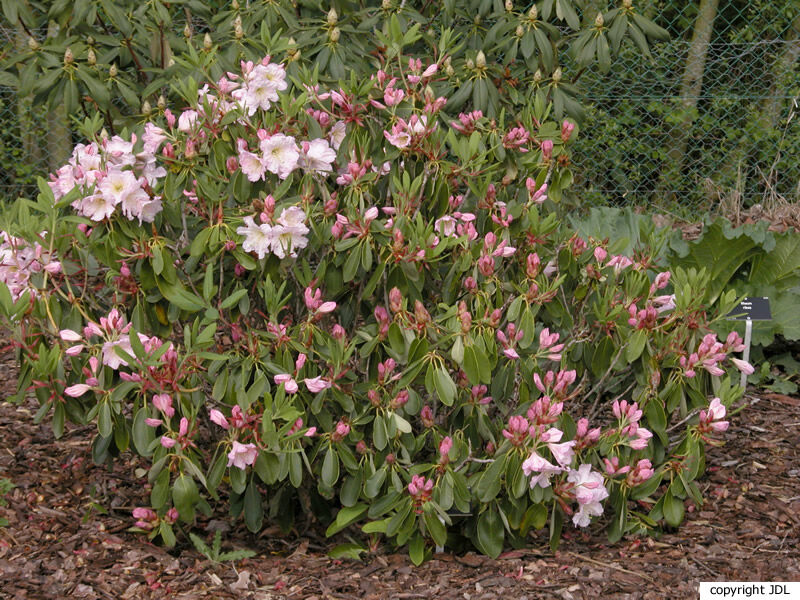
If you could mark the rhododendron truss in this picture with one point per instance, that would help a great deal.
(356, 300)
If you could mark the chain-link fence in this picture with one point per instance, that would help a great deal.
(26, 131)
(713, 117)
(710, 118)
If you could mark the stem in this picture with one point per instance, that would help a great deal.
(599, 385)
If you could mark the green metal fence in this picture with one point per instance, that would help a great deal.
(661, 134)
(713, 117)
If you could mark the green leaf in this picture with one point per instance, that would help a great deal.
(330, 468)
(166, 533)
(59, 415)
(490, 533)
(143, 434)
(416, 550)
(471, 365)
(105, 424)
(374, 484)
(635, 345)
(556, 524)
(535, 516)
(436, 528)
(674, 509)
(379, 437)
(185, 496)
(345, 517)
(490, 483)
(180, 296)
(253, 507)
(351, 265)
(233, 299)
(351, 551)
(445, 387)
(160, 492)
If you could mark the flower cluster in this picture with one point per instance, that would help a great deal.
(114, 174)
(19, 260)
(710, 353)
(284, 238)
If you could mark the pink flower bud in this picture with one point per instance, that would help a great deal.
(445, 446)
(68, 335)
(77, 390)
(547, 150)
(218, 418)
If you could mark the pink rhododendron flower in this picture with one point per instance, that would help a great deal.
(163, 403)
(710, 420)
(399, 137)
(253, 166)
(563, 452)
(544, 470)
(589, 492)
(261, 86)
(516, 431)
(337, 134)
(317, 384)
(612, 466)
(600, 254)
(421, 490)
(68, 335)
(341, 431)
(445, 446)
(640, 473)
(145, 518)
(242, 455)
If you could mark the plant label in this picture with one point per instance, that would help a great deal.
(752, 309)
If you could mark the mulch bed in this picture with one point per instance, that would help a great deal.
(67, 535)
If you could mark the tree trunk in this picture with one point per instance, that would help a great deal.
(691, 86)
(59, 146)
(773, 104)
(31, 151)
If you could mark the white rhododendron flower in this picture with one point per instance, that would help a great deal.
(261, 88)
(318, 156)
(337, 134)
(290, 232)
(95, 207)
(258, 238)
(280, 154)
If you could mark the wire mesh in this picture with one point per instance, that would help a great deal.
(648, 139)
(651, 139)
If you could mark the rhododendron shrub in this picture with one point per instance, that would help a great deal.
(352, 304)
